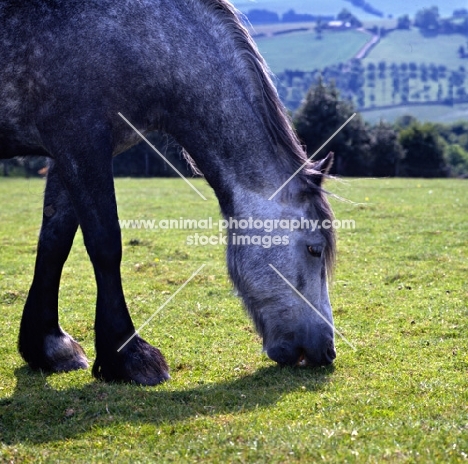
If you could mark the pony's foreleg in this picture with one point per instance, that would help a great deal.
(42, 343)
(87, 175)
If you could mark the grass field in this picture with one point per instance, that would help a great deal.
(411, 46)
(301, 50)
(399, 296)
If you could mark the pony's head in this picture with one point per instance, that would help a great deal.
(280, 262)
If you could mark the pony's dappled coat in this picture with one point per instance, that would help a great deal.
(190, 68)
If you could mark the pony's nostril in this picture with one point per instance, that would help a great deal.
(302, 361)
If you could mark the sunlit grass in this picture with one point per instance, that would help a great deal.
(399, 295)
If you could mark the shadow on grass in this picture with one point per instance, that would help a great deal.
(37, 413)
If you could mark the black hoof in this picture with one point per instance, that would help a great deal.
(57, 353)
(137, 362)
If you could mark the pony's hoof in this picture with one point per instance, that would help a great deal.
(138, 362)
(59, 353)
(64, 354)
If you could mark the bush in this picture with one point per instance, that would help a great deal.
(424, 151)
(457, 159)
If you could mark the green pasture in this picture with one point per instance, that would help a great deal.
(399, 295)
(303, 51)
(405, 46)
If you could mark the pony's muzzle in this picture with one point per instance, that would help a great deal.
(288, 354)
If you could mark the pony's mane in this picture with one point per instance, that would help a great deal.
(273, 114)
(260, 85)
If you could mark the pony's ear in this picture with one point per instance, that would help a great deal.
(322, 166)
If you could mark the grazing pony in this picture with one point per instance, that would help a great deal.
(189, 68)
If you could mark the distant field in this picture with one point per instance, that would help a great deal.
(418, 91)
(434, 113)
(327, 7)
(406, 46)
(303, 51)
(412, 47)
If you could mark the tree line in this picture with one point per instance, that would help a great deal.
(429, 21)
(407, 148)
(259, 16)
(139, 161)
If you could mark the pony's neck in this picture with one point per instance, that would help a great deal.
(221, 105)
(233, 150)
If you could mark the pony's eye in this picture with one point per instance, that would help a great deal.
(315, 251)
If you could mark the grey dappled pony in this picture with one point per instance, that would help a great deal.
(189, 68)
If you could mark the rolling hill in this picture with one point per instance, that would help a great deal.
(301, 50)
(405, 46)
